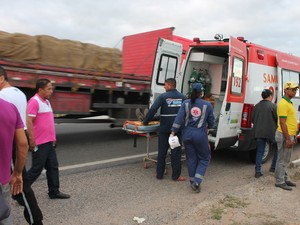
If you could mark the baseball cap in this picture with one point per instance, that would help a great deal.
(197, 87)
(290, 84)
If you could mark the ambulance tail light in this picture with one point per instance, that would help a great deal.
(246, 116)
(241, 39)
(260, 54)
(196, 39)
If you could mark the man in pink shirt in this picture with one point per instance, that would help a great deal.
(42, 138)
(12, 128)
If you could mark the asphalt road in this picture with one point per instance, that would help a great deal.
(86, 145)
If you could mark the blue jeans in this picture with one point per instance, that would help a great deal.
(7, 196)
(261, 144)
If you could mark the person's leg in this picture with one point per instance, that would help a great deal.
(6, 195)
(163, 146)
(39, 158)
(287, 159)
(275, 156)
(203, 155)
(32, 211)
(280, 165)
(261, 144)
(52, 171)
(191, 159)
(284, 156)
(176, 160)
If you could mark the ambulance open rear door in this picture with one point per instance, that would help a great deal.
(166, 65)
(228, 126)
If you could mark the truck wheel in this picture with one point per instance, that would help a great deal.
(252, 154)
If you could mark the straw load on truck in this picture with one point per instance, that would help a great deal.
(48, 50)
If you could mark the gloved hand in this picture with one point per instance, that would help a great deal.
(174, 142)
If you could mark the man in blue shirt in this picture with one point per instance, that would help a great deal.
(169, 104)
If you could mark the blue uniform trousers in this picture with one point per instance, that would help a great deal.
(163, 146)
(198, 152)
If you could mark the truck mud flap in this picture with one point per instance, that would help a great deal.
(246, 140)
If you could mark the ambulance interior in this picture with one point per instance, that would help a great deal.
(211, 71)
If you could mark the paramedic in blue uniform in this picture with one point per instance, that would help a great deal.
(194, 118)
(169, 104)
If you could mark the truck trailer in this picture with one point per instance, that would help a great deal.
(106, 88)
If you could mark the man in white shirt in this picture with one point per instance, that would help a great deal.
(32, 212)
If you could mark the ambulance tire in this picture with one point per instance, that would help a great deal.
(252, 154)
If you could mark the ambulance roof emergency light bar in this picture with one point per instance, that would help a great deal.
(218, 37)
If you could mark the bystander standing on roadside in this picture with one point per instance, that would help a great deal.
(286, 135)
(32, 211)
(42, 138)
(169, 104)
(195, 117)
(264, 119)
(12, 129)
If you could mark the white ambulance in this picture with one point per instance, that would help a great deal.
(234, 72)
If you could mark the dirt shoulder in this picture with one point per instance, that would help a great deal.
(257, 203)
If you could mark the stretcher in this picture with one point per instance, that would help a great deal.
(149, 131)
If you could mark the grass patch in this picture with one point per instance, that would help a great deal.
(217, 213)
(273, 223)
(296, 176)
(236, 223)
(234, 202)
(227, 202)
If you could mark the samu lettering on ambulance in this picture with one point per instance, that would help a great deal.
(270, 78)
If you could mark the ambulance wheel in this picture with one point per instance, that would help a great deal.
(252, 154)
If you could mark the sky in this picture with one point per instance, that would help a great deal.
(272, 23)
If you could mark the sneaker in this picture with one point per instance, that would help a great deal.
(284, 186)
(258, 174)
(272, 170)
(146, 112)
(139, 114)
(195, 187)
(290, 183)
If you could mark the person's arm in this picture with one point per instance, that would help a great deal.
(179, 120)
(282, 122)
(16, 183)
(210, 118)
(30, 132)
(153, 109)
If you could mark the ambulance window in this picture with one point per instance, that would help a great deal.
(237, 76)
(167, 68)
(288, 75)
